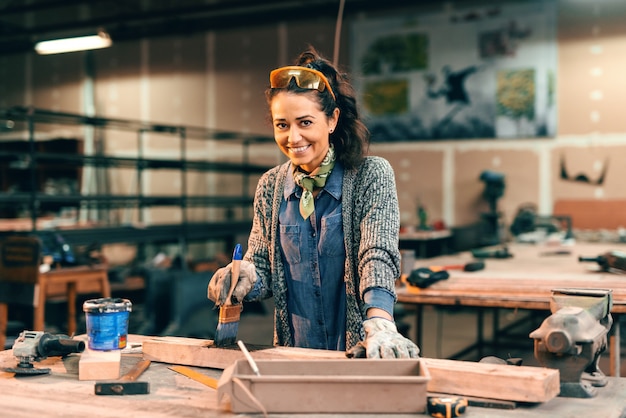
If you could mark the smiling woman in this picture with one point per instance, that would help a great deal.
(324, 240)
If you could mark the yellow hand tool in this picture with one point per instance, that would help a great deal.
(446, 406)
(197, 376)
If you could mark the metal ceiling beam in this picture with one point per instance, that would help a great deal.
(171, 21)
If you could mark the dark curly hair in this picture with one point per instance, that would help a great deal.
(351, 137)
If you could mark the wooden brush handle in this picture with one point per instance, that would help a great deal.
(234, 278)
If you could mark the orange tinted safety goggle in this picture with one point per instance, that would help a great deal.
(306, 78)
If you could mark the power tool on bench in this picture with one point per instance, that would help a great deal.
(610, 261)
(38, 345)
(423, 277)
(501, 252)
(572, 339)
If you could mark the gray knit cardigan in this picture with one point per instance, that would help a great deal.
(371, 224)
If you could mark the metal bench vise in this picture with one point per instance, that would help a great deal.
(573, 338)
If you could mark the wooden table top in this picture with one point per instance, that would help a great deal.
(523, 281)
(61, 394)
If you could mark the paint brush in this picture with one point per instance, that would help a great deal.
(228, 322)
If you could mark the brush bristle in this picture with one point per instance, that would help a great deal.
(227, 326)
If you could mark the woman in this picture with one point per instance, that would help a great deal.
(324, 239)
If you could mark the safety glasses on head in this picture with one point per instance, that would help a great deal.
(306, 78)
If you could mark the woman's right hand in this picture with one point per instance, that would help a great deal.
(220, 283)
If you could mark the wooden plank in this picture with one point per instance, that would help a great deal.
(202, 353)
(494, 381)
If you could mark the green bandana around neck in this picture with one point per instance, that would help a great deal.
(308, 182)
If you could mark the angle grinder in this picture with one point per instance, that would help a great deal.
(37, 345)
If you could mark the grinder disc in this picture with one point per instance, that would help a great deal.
(25, 371)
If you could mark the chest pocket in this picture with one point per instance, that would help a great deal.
(290, 242)
(331, 237)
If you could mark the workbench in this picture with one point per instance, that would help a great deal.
(62, 394)
(524, 281)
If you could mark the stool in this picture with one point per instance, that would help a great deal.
(76, 280)
(21, 282)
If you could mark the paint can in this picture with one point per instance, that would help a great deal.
(107, 323)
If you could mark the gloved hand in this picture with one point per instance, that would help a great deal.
(382, 340)
(220, 283)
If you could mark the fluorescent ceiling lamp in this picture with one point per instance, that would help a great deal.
(81, 43)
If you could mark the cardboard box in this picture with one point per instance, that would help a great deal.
(326, 386)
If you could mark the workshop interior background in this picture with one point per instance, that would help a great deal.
(204, 65)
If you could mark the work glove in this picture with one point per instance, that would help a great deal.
(382, 340)
(220, 283)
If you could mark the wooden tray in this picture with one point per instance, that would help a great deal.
(326, 386)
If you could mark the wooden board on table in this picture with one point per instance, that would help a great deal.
(492, 381)
(203, 353)
(99, 365)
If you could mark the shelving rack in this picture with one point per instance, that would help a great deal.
(33, 160)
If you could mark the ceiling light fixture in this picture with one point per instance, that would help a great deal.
(80, 43)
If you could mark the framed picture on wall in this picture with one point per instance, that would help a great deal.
(487, 72)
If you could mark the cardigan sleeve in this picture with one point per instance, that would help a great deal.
(259, 241)
(378, 217)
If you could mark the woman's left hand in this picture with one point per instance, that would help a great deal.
(383, 340)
